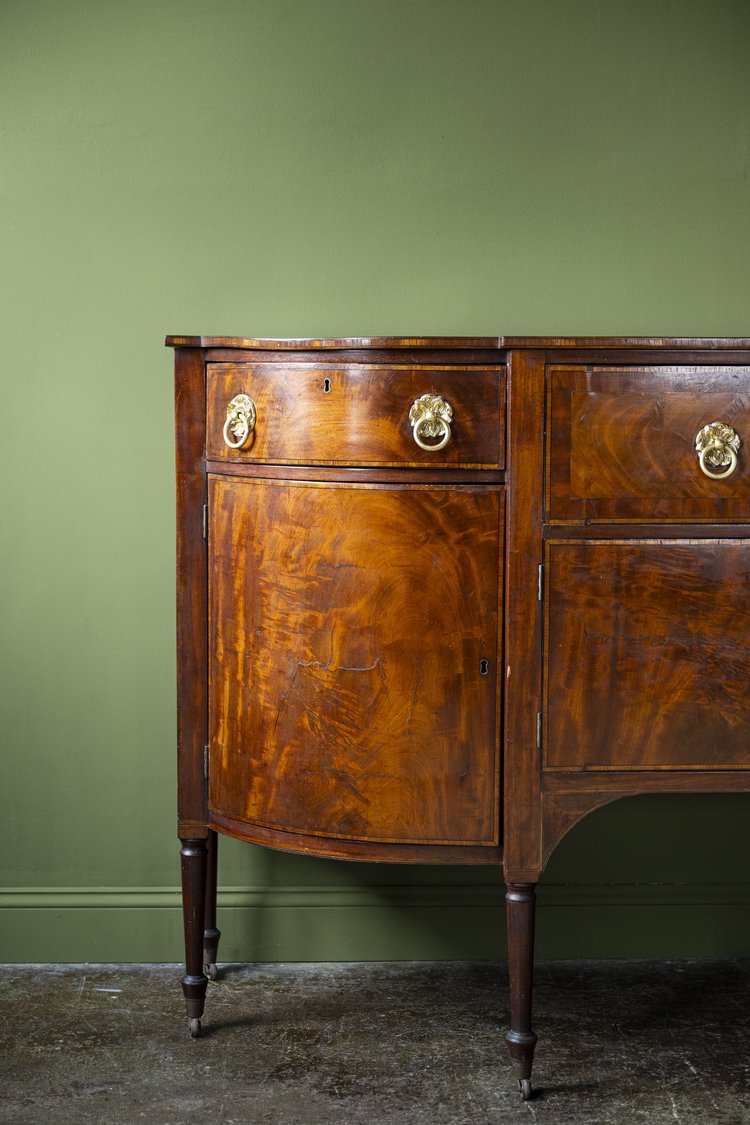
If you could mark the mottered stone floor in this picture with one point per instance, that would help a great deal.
(397, 1043)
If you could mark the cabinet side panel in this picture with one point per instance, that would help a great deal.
(192, 703)
(353, 679)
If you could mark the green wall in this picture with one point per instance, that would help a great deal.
(312, 167)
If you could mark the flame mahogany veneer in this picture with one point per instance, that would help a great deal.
(452, 655)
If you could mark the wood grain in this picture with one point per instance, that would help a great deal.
(647, 657)
(367, 343)
(333, 343)
(365, 474)
(192, 670)
(621, 443)
(362, 417)
(362, 851)
(626, 783)
(523, 618)
(347, 629)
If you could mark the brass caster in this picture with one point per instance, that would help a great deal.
(211, 971)
(524, 1089)
(195, 1027)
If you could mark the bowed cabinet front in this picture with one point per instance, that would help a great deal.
(353, 661)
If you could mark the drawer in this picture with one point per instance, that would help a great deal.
(358, 414)
(621, 444)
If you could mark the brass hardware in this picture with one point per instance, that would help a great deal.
(240, 421)
(717, 446)
(430, 417)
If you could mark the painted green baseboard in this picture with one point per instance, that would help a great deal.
(111, 924)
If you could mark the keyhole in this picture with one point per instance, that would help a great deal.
(484, 667)
(326, 386)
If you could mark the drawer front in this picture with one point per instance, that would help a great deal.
(358, 414)
(621, 444)
(647, 660)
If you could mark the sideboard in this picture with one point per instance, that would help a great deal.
(439, 598)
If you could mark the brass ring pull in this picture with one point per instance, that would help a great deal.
(717, 446)
(431, 417)
(240, 421)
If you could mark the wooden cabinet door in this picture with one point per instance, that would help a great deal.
(648, 655)
(353, 655)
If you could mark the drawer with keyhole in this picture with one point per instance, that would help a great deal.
(432, 416)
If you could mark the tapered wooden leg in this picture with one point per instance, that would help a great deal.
(194, 855)
(210, 934)
(521, 1039)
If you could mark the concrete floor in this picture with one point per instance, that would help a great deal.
(403, 1044)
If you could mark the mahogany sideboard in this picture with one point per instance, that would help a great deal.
(439, 598)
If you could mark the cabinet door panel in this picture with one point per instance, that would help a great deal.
(353, 676)
(647, 661)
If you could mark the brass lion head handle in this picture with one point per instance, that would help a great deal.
(717, 446)
(430, 417)
(240, 421)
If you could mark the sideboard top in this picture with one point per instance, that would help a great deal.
(703, 343)
(333, 342)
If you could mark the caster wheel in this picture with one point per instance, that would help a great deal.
(195, 1027)
(211, 971)
(524, 1089)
